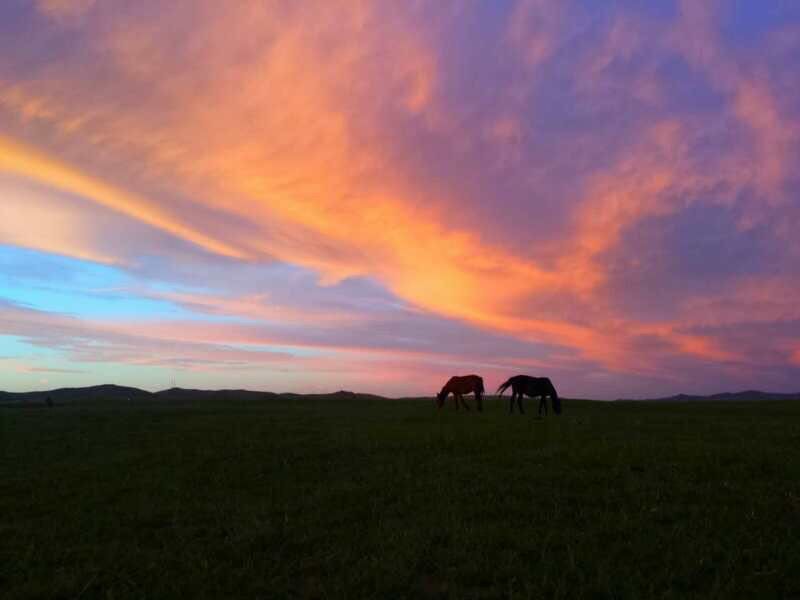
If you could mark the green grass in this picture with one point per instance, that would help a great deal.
(351, 499)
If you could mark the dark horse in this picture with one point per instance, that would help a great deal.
(462, 385)
(523, 385)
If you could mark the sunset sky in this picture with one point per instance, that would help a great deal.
(297, 195)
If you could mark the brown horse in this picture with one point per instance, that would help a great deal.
(458, 386)
(524, 385)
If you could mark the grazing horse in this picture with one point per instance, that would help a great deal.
(523, 385)
(462, 385)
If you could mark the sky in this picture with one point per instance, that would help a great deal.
(313, 195)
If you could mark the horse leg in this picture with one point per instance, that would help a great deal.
(519, 403)
(464, 402)
(511, 402)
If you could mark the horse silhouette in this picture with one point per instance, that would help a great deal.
(458, 386)
(524, 385)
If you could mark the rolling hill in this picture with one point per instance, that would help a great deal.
(117, 393)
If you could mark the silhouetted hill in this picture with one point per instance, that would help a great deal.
(61, 395)
(188, 394)
(340, 395)
(747, 395)
(115, 393)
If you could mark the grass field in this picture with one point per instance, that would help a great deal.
(351, 499)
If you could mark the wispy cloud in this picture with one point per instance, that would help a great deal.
(52, 370)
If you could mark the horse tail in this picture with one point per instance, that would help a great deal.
(556, 399)
(503, 387)
(480, 387)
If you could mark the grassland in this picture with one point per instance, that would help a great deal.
(351, 499)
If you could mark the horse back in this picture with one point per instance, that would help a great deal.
(465, 384)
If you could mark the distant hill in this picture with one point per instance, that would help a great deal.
(187, 395)
(96, 392)
(748, 395)
(115, 393)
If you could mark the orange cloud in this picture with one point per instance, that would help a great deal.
(58, 229)
(286, 116)
(257, 307)
(17, 160)
(313, 178)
